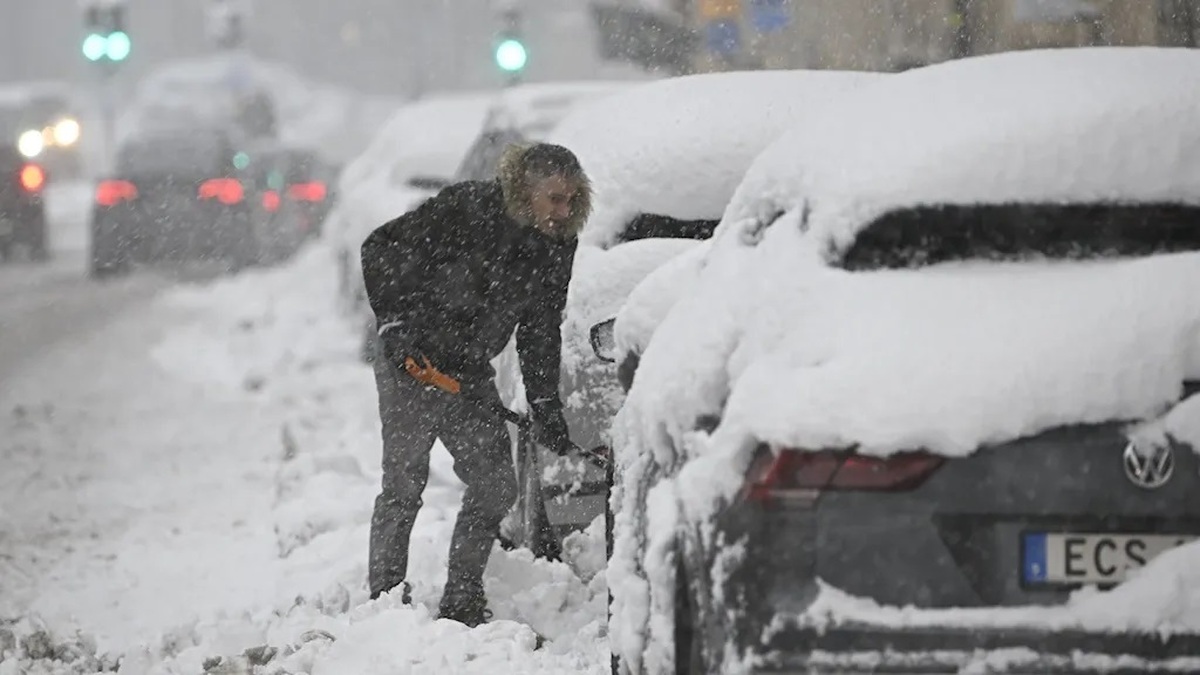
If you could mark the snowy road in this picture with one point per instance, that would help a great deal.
(41, 305)
(190, 472)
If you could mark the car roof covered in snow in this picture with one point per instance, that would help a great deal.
(429, 135)
(1103, 125)
(678, 147)
(535, 109)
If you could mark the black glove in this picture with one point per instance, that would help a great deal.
(397, 346)
(552, 427)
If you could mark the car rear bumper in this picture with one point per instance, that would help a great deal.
(870, 648)
(202, 231)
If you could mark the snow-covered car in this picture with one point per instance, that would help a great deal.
(663, 158)
(523, 114)
(414, 155)
(910, 405)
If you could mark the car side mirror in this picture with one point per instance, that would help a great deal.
(432, 183)
(603, 344)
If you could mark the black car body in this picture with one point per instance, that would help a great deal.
(175, 197)
(22, 211)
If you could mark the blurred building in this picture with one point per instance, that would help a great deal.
(706, 35)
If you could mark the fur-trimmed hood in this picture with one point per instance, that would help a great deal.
(516, 191)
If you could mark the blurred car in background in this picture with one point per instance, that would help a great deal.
(43, 120)
(230, 92)
(22, 211)
(410, 159)
(174, 196)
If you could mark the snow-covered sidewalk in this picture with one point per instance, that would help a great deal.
(197, 480)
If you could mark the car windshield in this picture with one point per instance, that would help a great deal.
(928, 235)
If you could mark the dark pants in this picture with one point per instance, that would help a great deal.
(413, 417)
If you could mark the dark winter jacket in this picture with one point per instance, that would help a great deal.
(455, 276)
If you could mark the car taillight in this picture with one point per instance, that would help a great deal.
(113, 192)
(796, 474)
(270, 200)
(224, 190)
(307, 192)
(32, 177)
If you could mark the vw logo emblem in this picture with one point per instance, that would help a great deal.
(1149, 470)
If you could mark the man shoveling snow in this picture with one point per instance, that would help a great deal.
(449, 282)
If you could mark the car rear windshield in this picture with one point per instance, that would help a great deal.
(197, 154)
(652, 226)
(928, 235)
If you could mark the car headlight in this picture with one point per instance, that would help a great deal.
(31, 143)
(66, 132)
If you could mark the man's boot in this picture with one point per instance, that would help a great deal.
(468, 607)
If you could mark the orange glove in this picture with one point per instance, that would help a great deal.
(431, 375)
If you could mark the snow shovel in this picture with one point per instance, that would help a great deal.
(436, 378)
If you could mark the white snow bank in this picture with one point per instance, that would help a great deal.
(678, 147)
(650, 300)
(1161, 598)
(1070, 125)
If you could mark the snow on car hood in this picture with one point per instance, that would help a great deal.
(1049, 126)
(678, 147)
(650, 300)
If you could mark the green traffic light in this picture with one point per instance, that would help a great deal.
(511, 55)
(94, 47)
(241, 160)
(118, 46)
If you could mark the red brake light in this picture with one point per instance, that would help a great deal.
(224, 190)
(113, 192)
(795, 474)
(307, 192)
(270, 200)
(32, 177)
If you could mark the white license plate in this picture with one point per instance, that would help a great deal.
(1067, 558)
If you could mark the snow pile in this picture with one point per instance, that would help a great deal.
(1047, 126)
(678, 146)
(651, 299)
